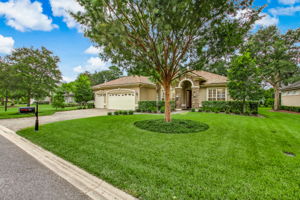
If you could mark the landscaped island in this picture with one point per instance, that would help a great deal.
(238, 157)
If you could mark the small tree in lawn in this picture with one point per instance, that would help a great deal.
(244, 80)
(83, 90)
(165, 39)
(277, 55)
(58, 100)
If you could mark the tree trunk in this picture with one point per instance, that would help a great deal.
(167, 88)
(244, 106)
(6, 101)
(158, 92)
(28, 99)
(276, 97)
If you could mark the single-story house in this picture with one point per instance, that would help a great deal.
(189, 91)
(290, 95)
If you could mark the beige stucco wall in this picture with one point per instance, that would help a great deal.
(147, 94)
(290, 98)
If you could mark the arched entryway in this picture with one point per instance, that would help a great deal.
(186, 94)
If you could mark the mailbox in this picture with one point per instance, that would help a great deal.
(27, 110)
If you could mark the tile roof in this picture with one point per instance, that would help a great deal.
(126, 80)
(295, 85)
(211, 78)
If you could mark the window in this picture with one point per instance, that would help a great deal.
(216, 94)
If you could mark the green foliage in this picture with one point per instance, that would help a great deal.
(58, 100)
(151, 106)
(106, 75)
(277, 56)
(123, 112)
(176, 126)
(90, 105)
(83, 91)
(193, 110)
(230, 106)
(37, 71)
(244, 80)
(109, 113)
(130, 112)
(290, 108)
(165, 39)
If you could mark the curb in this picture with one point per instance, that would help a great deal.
(90, 185)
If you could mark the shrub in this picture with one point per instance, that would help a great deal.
(71, 104)
(90, 105)
(290, 108)
(229, 106)
(116, 113)
(176, 126)
(124, 112)
(138, 110)
(130, 112)
(150, 105)
(109, 113)
(193, 110)
(200, 110)
(162, 110)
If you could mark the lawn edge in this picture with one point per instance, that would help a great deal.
(90, 185)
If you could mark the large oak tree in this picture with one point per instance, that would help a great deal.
(166, 39)
(277, 55)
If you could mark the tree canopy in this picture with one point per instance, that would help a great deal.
(37, 71)
(83, 91)
(277, 55)
(244, 80)
(166, 39)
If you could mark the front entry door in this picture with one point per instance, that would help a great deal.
(188, 99)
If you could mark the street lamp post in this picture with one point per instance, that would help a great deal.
(36, 128)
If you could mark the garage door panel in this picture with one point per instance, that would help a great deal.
(99, 101)
(121, 101)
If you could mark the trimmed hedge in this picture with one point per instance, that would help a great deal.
(151, 106)
(230, 107)
(123, 112)
(290, 108)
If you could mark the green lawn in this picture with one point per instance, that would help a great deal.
(13, 112)
(238, 157)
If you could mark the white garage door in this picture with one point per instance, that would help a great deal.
(121, 101)
(99, 100)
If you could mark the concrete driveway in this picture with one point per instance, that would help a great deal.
(20, 123)
(22, 176)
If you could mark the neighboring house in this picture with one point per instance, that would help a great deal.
(189, 91)
(290, 95)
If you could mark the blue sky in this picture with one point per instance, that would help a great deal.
(36, 23)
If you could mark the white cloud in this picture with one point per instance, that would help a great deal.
(288, 2)
(93, 50)
(24, 15)
(93, 64)
(6, 44)
(62, 8)
(267, 20)
(67, 79)
(284, 10)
